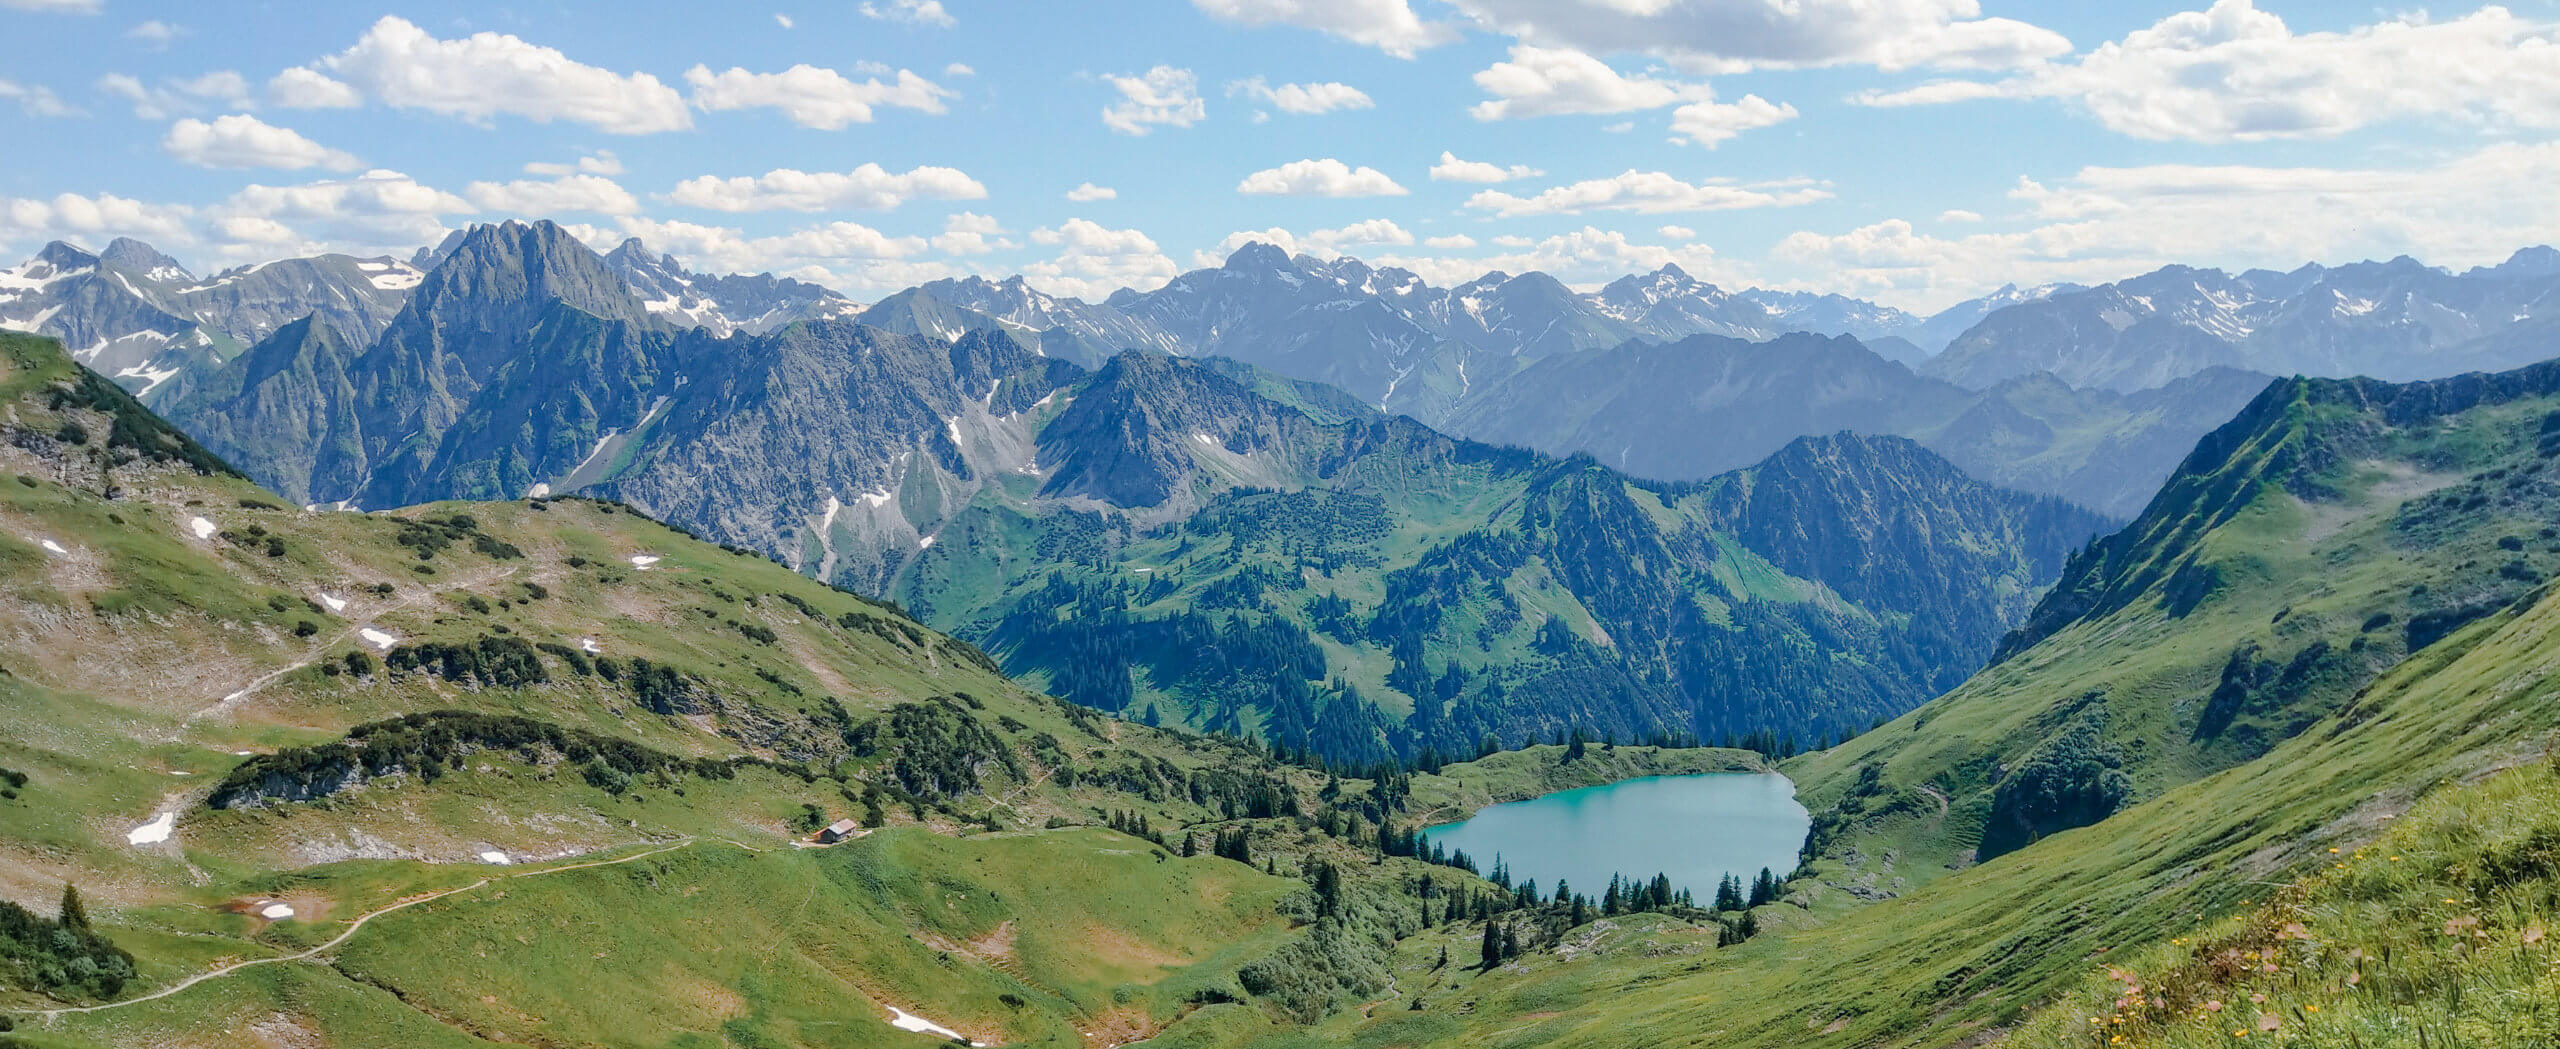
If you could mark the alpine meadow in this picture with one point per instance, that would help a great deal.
(1280, 524)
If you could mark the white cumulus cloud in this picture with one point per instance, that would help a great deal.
(304, 88)
(1095, 260)
(486, 75)
(1722, 36)
(176, 97)
(1648, 192)
(543, 198)
(242, 141)
(1086, 192)
(2234, 73)
(1545, 81)
(2106, 223)
(869, 186)
(1319, 178)
(1711, 123)
(1452, 169)
(912, 12)
(1302, 99)
(812, 96)
(1388, 25)
(36, 100)
(1162, 95)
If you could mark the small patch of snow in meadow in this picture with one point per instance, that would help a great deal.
(643, 561)
(204, 529)
(154, 832)
(907, 1021)
(275, 911)
(336, 604)
(377, 638)
(495, 856)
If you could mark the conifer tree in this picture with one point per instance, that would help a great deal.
(74, 916)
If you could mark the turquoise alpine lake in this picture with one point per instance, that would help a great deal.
(1696, 829)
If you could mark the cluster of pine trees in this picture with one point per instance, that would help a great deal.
(61, 956)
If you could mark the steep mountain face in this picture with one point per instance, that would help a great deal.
(137, 315)
(524, 365)
(1704, 405)
(720, 304)
(2391, 320)
(1376, 588)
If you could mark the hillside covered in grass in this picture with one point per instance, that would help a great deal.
(547, 771)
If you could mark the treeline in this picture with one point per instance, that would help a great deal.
(431, 743)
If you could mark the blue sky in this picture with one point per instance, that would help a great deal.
(1910, 151)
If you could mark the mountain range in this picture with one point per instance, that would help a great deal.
(292, 763)
(967, 475)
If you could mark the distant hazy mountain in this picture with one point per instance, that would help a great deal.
(137, 315)
(1705, 405)
(720, 304)
(2392, 320)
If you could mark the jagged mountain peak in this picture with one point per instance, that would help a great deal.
(144, 260)
(63, 256)
(1258, 256)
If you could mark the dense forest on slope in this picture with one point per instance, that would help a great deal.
(1359, 587)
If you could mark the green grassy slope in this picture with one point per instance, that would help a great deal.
(654, 813)
(1978, 952)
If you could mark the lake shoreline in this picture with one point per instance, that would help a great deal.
(1460, 791)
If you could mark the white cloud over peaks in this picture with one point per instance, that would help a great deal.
(845, 255)
(170, 98)
(73, 215)
(959, 69)
(36, 100)
(2236, 73)
(377, 210)
(1086, 192)
(814, 97)
(2108, 223)
(1452, 169)
(534, 199)
(242, 141)
(1162, 95)
(303, 88)
(870, 187)
(1718, 36)
(1324, 242)
(912, 12)
(1094, 260)
(1678, 233)
(1319, 178)
(488, 74)
(782, 20)
(1388, 25)
(1648, 192)
(1545, 81)
(969, 233)
(1302, 99)
(1959, 215)
(1582, 257)
(1452, 242)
